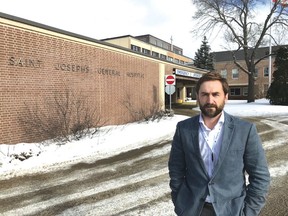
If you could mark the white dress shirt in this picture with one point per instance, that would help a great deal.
(210, 143)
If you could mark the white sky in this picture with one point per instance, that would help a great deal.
(111, 18)
(101, 19)
(119, 139)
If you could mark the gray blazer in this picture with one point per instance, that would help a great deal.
(241, 151)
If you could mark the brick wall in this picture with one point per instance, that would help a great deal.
(35, 65)
(261, 81)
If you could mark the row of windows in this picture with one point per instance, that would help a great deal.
(155, 54)
(243, 91)
(235, 73)
(160, 44)
(265, 72)
(236, 91)
(166, 46)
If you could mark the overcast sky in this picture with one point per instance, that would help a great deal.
(101, 19)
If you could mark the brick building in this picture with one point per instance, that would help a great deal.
(38, 62)
(238, 80)
(151, 45)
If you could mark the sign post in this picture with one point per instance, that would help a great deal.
(170, 87)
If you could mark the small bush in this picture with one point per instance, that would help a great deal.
(153, 113)
(65, 118)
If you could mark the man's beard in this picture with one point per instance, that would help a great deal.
(211, 110)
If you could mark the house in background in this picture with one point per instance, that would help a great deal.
(237, 79)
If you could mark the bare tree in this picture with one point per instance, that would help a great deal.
(144, 112)
(236, 20)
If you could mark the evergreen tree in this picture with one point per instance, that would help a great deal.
(203, 58)
(278, 90)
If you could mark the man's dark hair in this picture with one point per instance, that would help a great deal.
(213, 76)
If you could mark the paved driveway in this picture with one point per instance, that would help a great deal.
(131, 183)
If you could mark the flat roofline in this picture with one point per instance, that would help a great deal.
(68, 33)
(57, 30)
(112, 38)
(135, 37)
(43, 26)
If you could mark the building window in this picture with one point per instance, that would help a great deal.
(177, 51)
(145, 51)
(224, 73)
(235, 91)
(135, 48)
(155, 54)
(266, 72)
(163, 56)
(170, 59)
(181, 62)
(245, 91)
(176, 60)
(235, 74)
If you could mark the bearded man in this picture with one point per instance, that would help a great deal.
(211, 155)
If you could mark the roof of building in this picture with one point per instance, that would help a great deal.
(50, 28)
(111, 38)
(138, 37)
(227, 55)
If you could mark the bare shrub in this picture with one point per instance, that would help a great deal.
(141, 113)
(63, 118)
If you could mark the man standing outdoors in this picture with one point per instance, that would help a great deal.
(210, 155)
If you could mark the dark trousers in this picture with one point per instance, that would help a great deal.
(208, 210)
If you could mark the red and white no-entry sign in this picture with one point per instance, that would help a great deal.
(169, 79)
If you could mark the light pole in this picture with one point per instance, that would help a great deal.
(270, 48)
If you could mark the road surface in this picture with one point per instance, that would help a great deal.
(131, 183)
